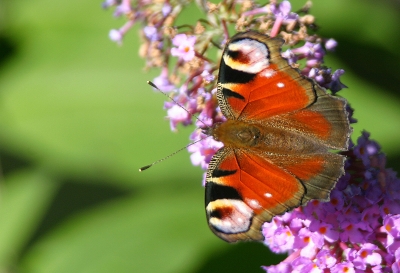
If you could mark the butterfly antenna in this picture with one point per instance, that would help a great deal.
(177, 103)
(168, 156)
(181, 149)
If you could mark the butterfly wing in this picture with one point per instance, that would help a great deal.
(318, 172)
(257, 85)
(324, 121)
(256, 82)
(244, 190)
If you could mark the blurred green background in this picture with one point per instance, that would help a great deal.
(77, 120)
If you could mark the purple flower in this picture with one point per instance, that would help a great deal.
(343, 267)
(367, 255)
(151, 33)
(323, 76)
(123, 8)
(166, 9)
(203, 150)
(304, 241)
(282, 15)
(163, 83)
(290, 56)
(324, 259)
(303, 264)
(391, 225)
(331, 44)
(325, 231)
(181, 113)
(283, 12)
(184, 47)
(351, 232)
(116, 36)
(396, 264)
(207, 76)
(366, 148)
(336, 202)
(313, 52)
(282, 239)
(371, 216)
(177, 114)
(336, 85)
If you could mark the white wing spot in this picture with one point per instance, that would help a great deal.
(280, 84)
(268, 73)
(268, 195)
(254, 204)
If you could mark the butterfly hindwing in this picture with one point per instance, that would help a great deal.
(318, 172)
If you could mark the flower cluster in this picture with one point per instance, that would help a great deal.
(357, 231)
(186, 54)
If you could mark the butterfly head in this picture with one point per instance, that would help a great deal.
(210, 131)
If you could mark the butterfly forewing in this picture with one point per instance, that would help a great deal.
(279, 130)
(269, 88)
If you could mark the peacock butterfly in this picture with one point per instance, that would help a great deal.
(277, 139)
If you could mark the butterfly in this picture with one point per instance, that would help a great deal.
(278, 135)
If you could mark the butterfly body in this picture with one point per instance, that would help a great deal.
(277, 139)
(262, 137)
